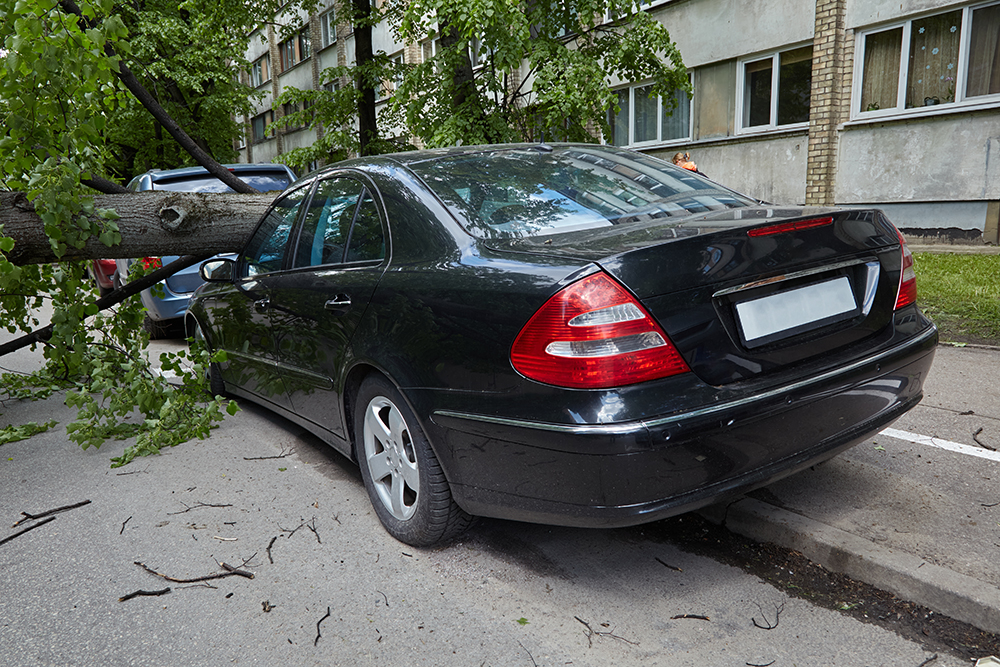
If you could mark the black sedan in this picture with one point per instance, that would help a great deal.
(564, 334)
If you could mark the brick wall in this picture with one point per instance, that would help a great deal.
(830, 94)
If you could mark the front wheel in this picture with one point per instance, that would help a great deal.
(216, 385)
(402, 475)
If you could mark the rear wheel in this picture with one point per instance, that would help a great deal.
(402, 475)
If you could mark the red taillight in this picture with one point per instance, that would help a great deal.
(594, 335)
(151, 263)
(907, 292)
(794, 226)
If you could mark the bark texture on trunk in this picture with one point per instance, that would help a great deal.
(151, 224)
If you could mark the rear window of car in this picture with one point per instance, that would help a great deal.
(205, 183)
(527, 192)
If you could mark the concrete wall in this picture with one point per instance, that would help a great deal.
(861, 13)
(707, 31)
(943, 158)
(772, 169)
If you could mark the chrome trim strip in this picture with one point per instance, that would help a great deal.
(871, 286)
(792, 276)
(632, 427)
(323, 381)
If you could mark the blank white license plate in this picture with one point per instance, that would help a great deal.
(794, 309)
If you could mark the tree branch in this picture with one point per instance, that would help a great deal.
(117, 296)
(126, 76)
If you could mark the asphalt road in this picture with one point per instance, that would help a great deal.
(341, 592)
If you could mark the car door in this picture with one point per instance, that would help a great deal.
(316, 305)
(244, 318)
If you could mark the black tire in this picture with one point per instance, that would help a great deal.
(395, 457)
(216, 385)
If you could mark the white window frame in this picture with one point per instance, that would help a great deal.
(257, 67)
(328, 28)
(742, 112)
(962, 102)
(658, 141)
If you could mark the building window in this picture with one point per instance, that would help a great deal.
(328, 28)
(479, 53)
(260, 72)
(294, 50)
(261, 125)
(775, 90)
(644, 118)
(305, 47)
(391, 85)
(947, 58)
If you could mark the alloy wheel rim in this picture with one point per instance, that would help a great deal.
(391, 459)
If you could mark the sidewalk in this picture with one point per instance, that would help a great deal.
(898, 512)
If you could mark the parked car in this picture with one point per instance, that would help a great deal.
(164, 312)
(567, 334)
(102, 271)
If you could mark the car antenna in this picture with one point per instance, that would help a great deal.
(542, 146)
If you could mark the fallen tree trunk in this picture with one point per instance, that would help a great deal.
(151, 224)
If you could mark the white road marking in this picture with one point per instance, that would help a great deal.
(942, 444)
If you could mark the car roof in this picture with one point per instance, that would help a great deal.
(406, 158)
(159, 174)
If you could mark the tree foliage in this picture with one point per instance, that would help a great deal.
(66, 117)
(543, 68)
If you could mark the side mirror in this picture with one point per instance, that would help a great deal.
(217, 270)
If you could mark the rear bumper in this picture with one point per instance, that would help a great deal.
(634, 472)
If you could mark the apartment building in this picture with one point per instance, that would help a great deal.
(891, 103)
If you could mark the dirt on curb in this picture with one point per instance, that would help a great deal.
(796, 575)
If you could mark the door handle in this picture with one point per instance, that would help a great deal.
(261, 305)
(339, 302)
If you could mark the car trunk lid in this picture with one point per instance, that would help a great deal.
(744, 292)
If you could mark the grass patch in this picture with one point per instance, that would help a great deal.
(961, 293)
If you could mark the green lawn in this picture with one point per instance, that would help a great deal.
(961, 293)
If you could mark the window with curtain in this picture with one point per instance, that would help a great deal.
(984, 53)
(644, 118)
(950, 58)
(776, 89)
(259, 72)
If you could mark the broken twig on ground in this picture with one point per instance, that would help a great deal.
(766, 664)
(282, 455)
(29, 517)
(194, 507)
(981, 443)
(23, 531)
(136, 594)
(767, 625)
(230, 571)
(928, 661)
(122, 531)
(316, 641)
(312, 527)
(668, 565)
(269, 545)
(697, 617)
(591, 633)
(529, 654)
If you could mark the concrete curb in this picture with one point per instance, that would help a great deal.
(908, 577)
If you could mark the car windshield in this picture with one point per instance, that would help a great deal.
(530, 191)
(263, 182)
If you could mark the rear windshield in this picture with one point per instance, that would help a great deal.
(528, 192)
(263, 182)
